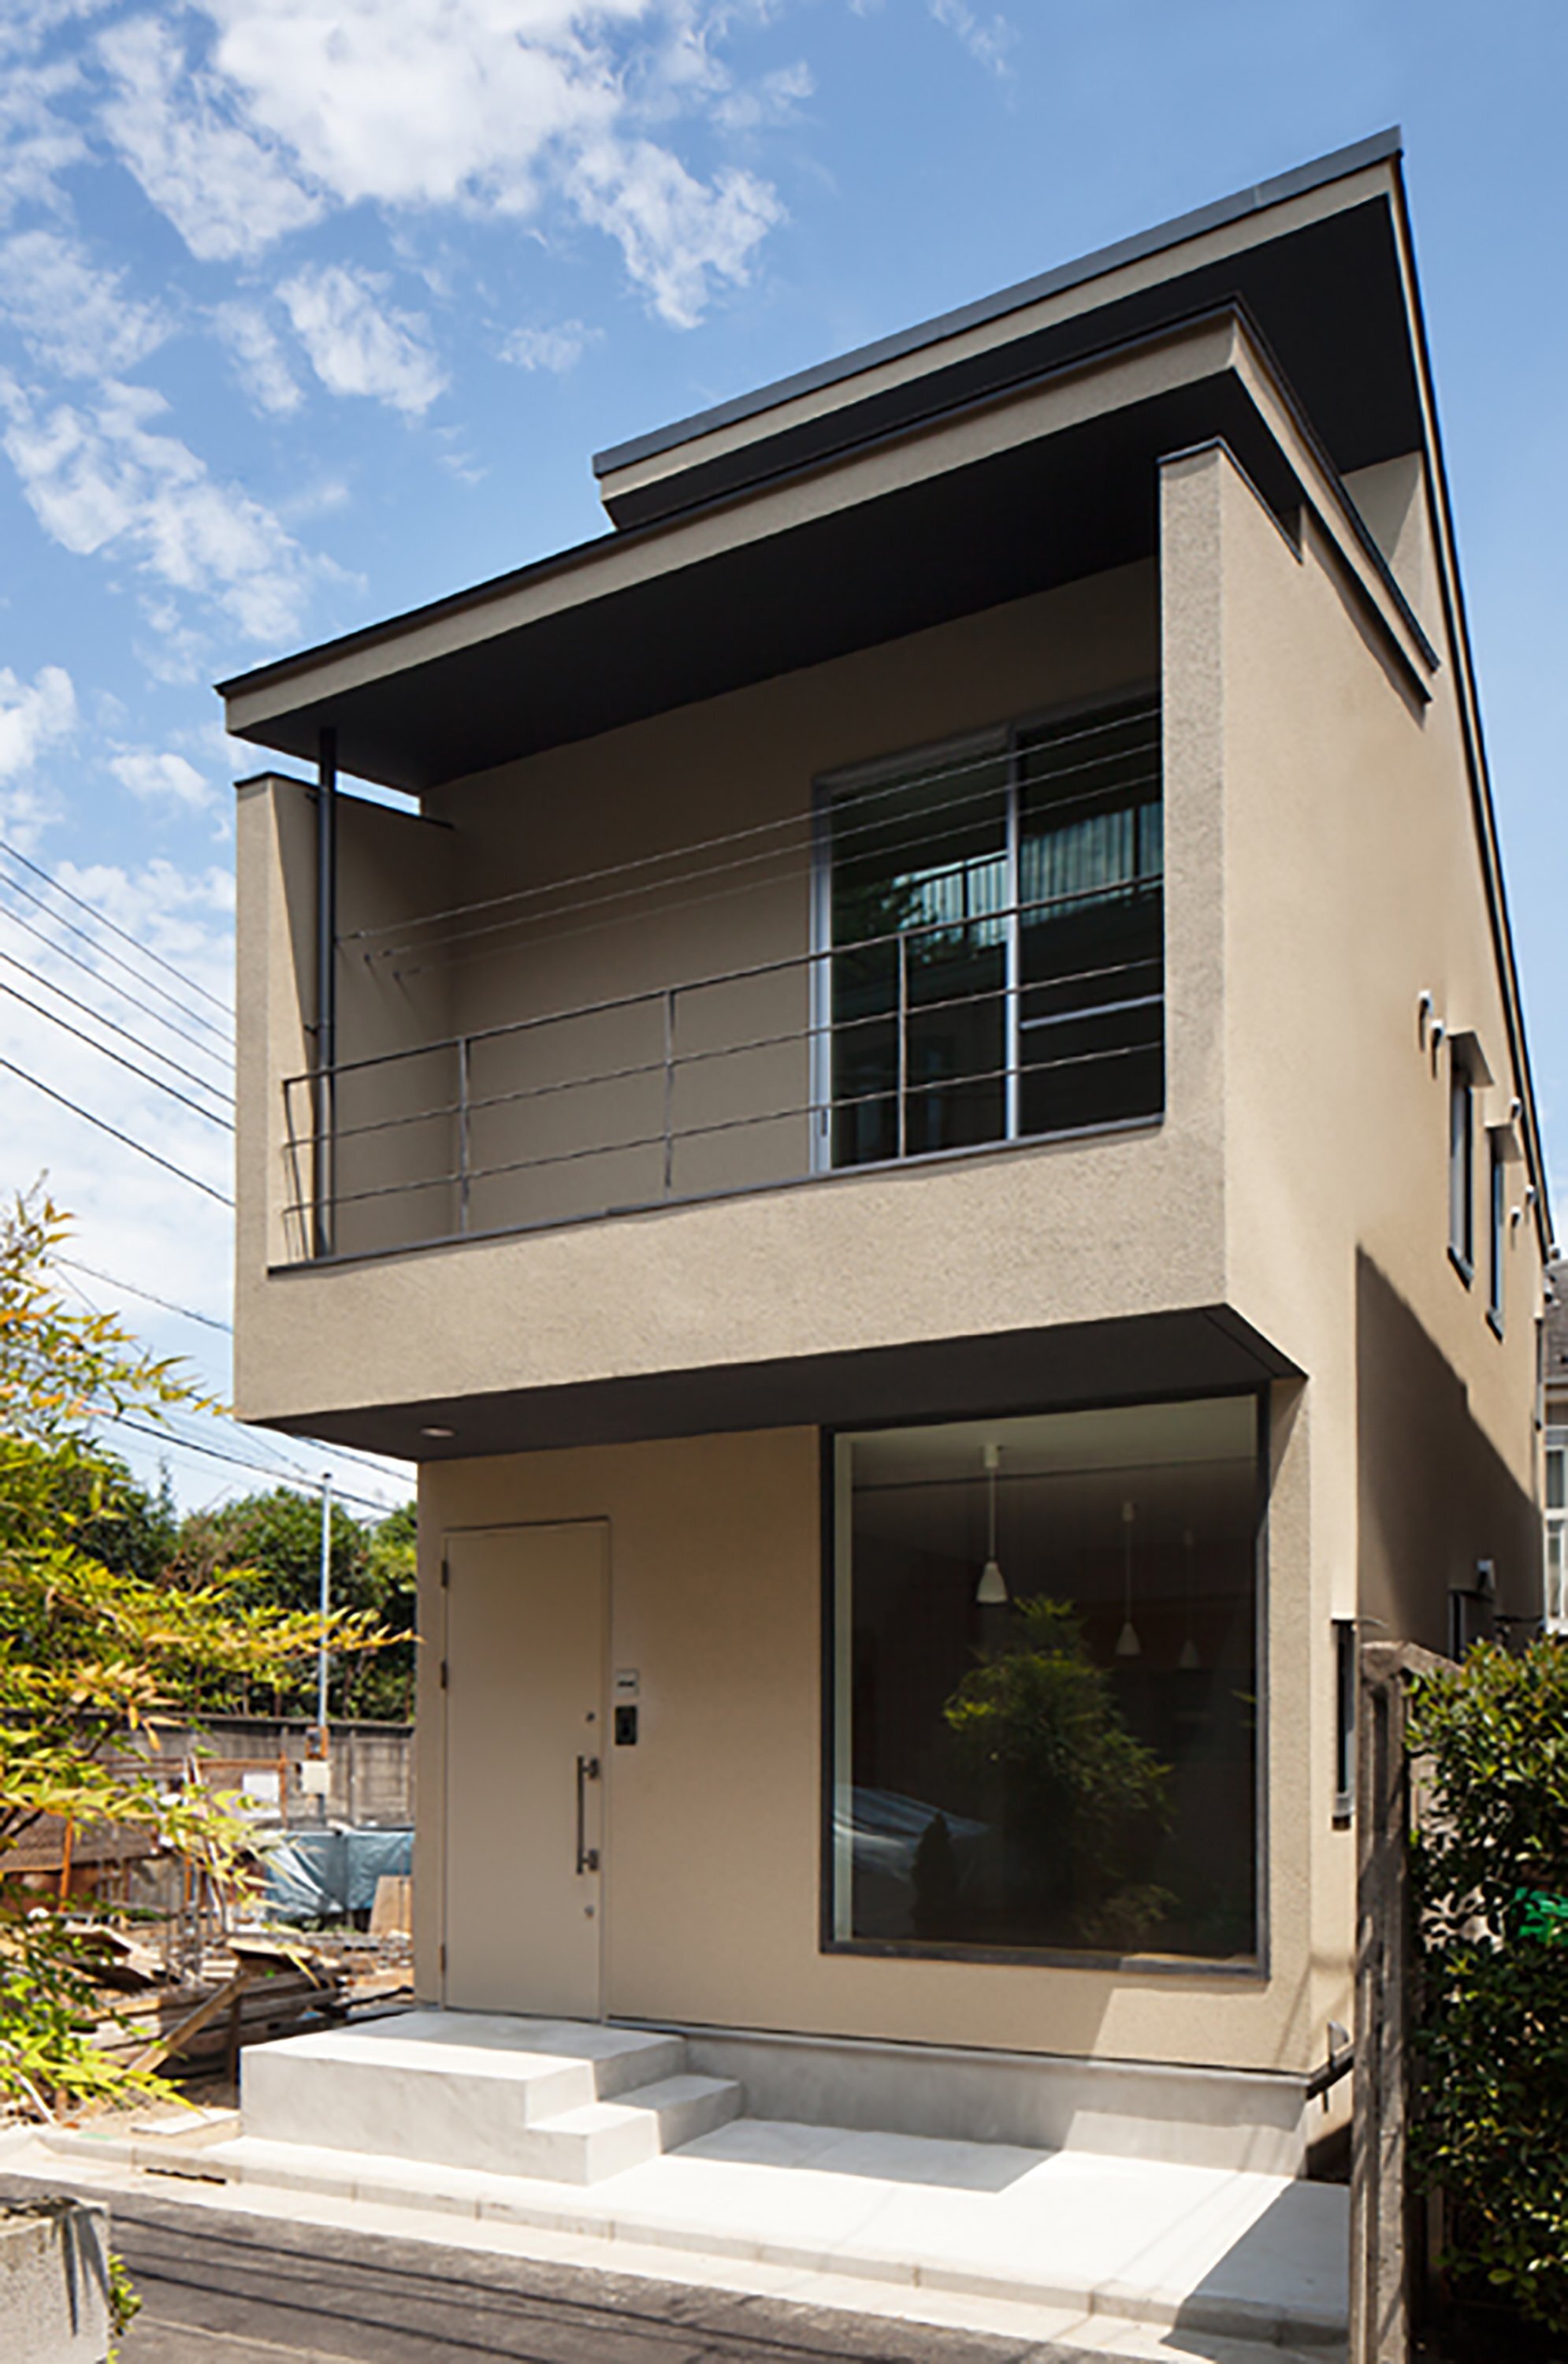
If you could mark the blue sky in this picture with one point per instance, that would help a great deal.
(314, 309)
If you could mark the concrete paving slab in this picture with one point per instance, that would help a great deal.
(266, 2275)
(1203, 2250)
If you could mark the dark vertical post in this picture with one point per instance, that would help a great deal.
(326, 981)
(1379, 2286)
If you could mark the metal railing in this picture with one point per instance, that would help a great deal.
(672, 1109)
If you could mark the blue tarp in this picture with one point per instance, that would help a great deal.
(323, 1875)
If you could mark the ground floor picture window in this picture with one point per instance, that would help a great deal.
(1044, 1694)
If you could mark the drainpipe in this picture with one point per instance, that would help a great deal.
(326, 980)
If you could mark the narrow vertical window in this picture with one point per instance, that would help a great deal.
(1344, 1718)
(1497, 1227)
(1460, 1169)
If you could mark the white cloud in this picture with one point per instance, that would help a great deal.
(72, 315)
(990, 45)
(357, 346)
(36, 144)
(422, 102)
(495, 107)
(675, 232)
(557, 349)
(161, 779)
(771, 100)
(226, 191)
(99, 477)
(259, 358)
(32, 714)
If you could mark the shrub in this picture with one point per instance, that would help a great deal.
(1489, 1745)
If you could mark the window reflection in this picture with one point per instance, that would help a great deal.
(1069, 1766)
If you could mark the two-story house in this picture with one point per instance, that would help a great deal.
(927, 1136)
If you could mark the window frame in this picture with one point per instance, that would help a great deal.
(1256, 1968)
(1003, 740)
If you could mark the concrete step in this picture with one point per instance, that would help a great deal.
(457, 2090)
(604, 2139)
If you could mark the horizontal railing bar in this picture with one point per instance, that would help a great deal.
(789, 1114)
(1127, 890)
(829, 1029)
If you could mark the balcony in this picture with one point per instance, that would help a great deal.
(986, 969)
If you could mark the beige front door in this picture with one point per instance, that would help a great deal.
(526, 1624)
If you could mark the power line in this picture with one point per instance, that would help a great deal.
(104, 922)
(113, 1130)
(257, 1470)
(15, 887)
(208, 1320)
(125, 1032)
(1134, 715)
(120, 1061)
(376, 1463)
(63, 952)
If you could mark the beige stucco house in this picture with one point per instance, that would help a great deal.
(926, 1134)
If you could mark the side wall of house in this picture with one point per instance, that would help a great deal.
(1352, 886)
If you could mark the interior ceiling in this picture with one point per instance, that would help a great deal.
(1329, 302)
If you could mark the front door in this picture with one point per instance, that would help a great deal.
(526, 1617)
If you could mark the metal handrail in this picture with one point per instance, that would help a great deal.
(902, 1093)
(828, 1029)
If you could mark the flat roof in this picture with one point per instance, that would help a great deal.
(1377, 149)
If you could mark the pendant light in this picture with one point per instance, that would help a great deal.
(1128, 1645)
(992, 1589)
(1189, 1660)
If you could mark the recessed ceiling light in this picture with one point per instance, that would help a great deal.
(438, 1431)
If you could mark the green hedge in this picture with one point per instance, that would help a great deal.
(1489, 1748)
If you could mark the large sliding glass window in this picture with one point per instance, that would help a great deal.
(996, 923)
(1044, 1710)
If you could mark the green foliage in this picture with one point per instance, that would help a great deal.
(124, 2302)
(274, 1540)
(1079, 1792)
(90, 1650)
(1490, 1747)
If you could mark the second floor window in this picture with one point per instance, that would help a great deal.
(1461, 1167)
(1497, 1227)
(996, 918)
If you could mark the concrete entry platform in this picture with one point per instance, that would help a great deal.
(567, 2100)
(601, 2132)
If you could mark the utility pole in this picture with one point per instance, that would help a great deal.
(326, 1607)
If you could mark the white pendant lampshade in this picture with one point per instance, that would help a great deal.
(992, 1589)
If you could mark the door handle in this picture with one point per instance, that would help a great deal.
(588, 1857)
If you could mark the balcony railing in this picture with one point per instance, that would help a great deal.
(949, 1034)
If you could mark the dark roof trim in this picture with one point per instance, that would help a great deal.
(1377, 150)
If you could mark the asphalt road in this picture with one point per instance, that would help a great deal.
(221, 2288)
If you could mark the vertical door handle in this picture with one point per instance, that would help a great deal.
(588, 1857)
